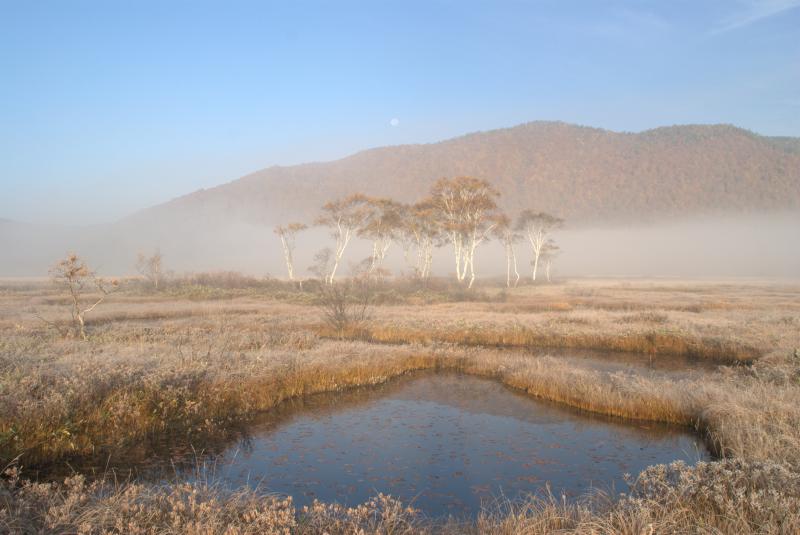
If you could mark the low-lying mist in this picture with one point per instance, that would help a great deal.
(764, 245)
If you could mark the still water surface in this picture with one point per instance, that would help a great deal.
(446, 442)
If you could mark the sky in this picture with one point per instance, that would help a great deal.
(110, 107)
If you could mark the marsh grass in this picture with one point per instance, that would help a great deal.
(723, 497)
(103, 402)
(156, 367)
(655, 342)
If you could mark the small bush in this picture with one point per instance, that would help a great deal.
(346, 305)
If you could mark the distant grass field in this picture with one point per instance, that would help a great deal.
(206, 355)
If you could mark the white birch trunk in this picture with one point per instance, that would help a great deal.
(458, 253)
(516, 272)
(342, 239)
(537, 239)
(428, 260)
(287, 256)
(379, 248)
(508, 267)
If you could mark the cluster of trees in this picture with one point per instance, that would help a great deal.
(461, 212)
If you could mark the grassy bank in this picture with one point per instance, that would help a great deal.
(519, 337)
(86, 405)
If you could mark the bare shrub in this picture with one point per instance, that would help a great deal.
(346, 306)
(104, 506)
(729, 496)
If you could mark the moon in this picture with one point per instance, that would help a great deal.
(394, 122)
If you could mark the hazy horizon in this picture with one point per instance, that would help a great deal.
(119, 217)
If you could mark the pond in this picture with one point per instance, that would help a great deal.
(449, 443)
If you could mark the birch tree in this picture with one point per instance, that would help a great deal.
(151, 267)
(421, 231)
(322, 264)
(505, 232)
(549, 253)
(288, 234)
(344, 217)
(381, 224)
(466, 208)
(537, 227)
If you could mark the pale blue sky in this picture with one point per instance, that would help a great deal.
(107, 107)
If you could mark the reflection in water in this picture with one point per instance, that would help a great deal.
(445, 441)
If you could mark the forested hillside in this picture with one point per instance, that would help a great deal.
(583, 174)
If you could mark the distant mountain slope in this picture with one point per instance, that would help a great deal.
(584, 174)
(674, 175)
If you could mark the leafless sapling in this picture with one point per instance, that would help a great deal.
(77, 280)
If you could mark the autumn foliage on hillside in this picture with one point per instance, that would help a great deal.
(584, 174)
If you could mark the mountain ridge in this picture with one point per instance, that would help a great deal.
(583, 173)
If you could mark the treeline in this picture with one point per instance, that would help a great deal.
(459, 212)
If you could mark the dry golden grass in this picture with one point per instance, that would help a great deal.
(736, 497)
(158, 366)
(517, 336)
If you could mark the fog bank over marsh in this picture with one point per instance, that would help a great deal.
(754, 245)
